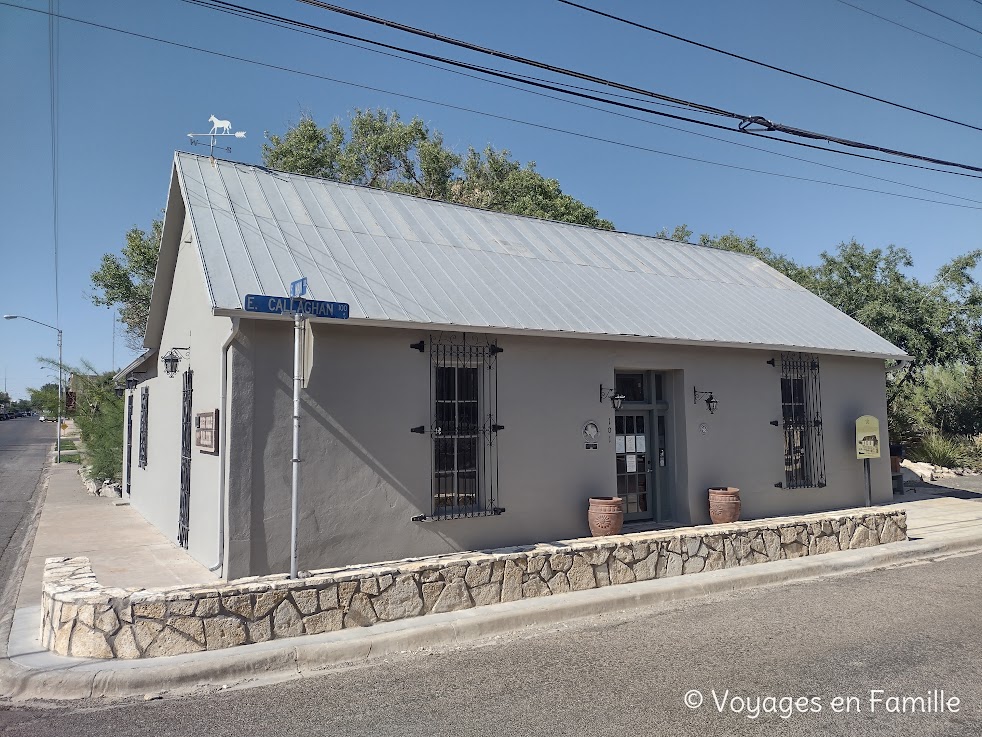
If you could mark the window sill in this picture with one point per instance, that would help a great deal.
(494, 512)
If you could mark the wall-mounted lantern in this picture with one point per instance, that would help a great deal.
(615, 399)
(172, 359)
(119, 389)
(711, 402)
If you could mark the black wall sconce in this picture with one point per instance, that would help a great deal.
(131, 382)
(172, 358)
(615, 399)
(711, 402)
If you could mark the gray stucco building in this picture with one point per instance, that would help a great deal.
(468, 402)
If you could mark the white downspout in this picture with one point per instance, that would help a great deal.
(222, 447)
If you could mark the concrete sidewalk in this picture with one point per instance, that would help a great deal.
(935, 511)
(126, 551)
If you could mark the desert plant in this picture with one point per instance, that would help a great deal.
(99, 417)
(949, 451)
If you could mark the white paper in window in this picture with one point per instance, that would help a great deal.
(639, 443)
(630, 444)
(632, 463)
(619, 444)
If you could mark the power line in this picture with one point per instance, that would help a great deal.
(301, 27)
(772, 67)
(485, 113)
(53, 8)
(746, 121)
(221, 6)
(241, 11)
(908, 28)
(946, 17)
(257, 16)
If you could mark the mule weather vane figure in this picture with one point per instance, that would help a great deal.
(218, 128)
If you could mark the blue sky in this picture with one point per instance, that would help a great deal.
(126, 104)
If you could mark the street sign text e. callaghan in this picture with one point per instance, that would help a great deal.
(290, 306)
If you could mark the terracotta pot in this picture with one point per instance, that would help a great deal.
(606, 515)
(724, 504)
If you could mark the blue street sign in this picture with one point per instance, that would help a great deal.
(290, 306)
(298, 288)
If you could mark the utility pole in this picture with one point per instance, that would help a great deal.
(60, 369)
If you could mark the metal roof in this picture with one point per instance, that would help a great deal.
(138, 362)
(403, 260)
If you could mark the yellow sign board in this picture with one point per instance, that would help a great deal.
(867, 437)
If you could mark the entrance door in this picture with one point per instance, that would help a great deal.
(632, 444)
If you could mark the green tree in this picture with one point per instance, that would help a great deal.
(937, 322)
(126, 280)
(44, 399)
(804, 275)
(379, 149)
(98, 415)
(4, 399)
(492, 180)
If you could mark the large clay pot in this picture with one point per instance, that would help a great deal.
(606, 515)
(724, 504)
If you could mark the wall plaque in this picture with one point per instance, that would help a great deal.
(206, 431)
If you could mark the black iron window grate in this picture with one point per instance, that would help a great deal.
(144, 409)
(463, 427)
(801, 410)
(184, 521)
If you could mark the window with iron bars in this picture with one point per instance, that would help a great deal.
(463, 429)
(801, 411)
(144, 408)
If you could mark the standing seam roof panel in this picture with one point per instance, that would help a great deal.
(259, 232)
(210, 244)
(396, 257)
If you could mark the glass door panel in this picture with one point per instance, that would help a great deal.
(632, 447)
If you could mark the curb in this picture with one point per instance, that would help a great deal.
(282, 660)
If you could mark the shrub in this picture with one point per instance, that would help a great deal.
(950, 451)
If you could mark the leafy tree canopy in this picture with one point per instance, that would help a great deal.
(126, 280)
(938, 322)
(380, 150)
(44, 399)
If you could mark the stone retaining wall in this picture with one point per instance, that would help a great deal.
(83, 618)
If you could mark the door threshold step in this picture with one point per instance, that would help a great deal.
(630, 527)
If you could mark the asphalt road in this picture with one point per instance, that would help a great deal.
(906, 631)
(24, 446)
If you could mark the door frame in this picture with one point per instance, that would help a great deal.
(658, 410)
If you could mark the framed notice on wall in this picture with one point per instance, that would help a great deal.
(206, 431)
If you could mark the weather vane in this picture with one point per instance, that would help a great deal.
(218, 128)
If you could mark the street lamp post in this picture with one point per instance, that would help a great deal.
(60, 370)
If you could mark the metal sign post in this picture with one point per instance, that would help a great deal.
(298, 327)
(297, 290)
(300, 309)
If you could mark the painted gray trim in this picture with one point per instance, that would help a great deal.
(451, 328)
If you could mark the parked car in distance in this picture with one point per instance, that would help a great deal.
(46, 418)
